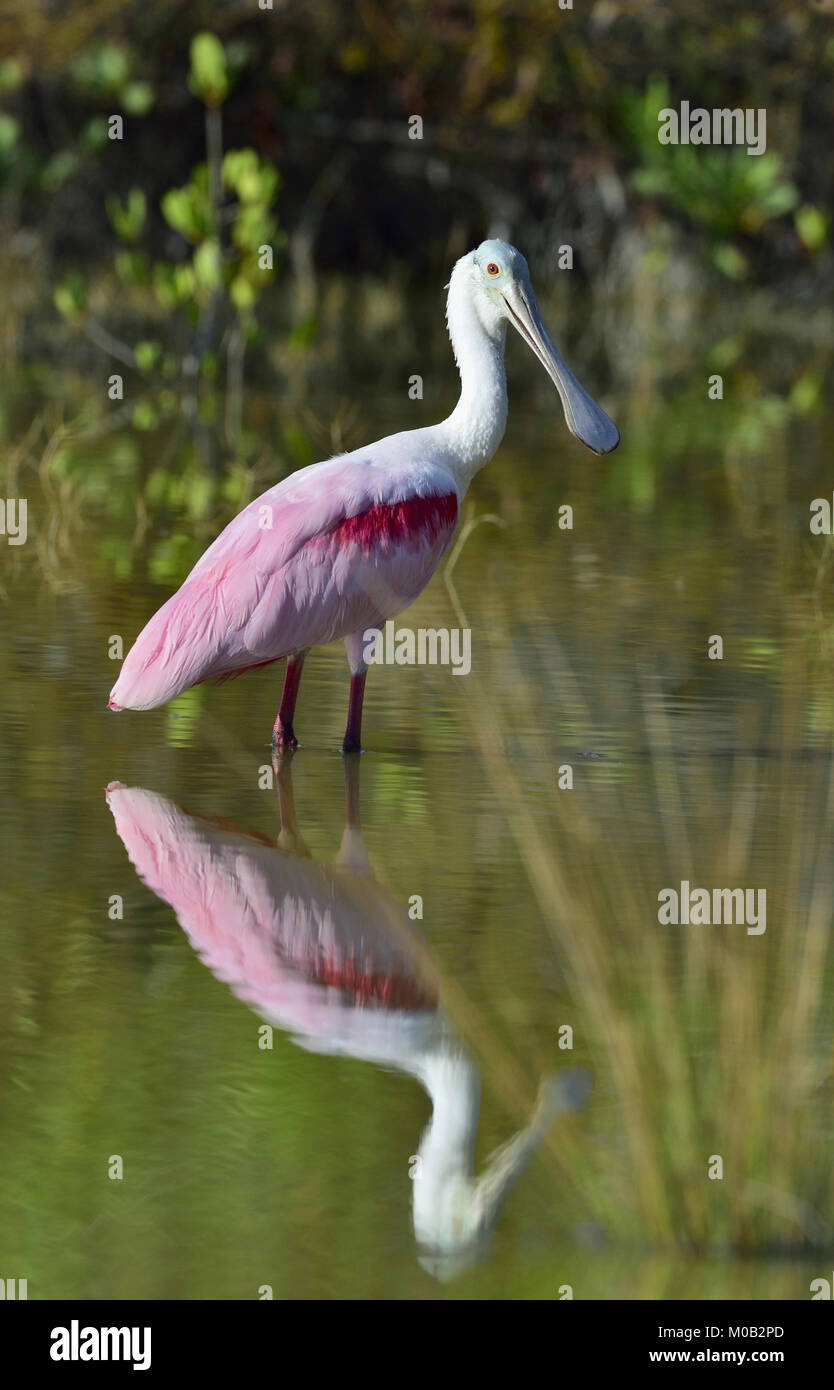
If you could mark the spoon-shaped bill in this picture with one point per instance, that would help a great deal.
(585, 419)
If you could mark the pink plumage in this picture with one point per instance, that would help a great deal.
(327, 553)
(310, 947)
(344, 545)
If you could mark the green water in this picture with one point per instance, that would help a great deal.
(245, 1166)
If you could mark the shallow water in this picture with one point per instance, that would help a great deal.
(363, 1154)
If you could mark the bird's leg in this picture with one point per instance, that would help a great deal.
(290, 837)
(352, 742)
(282, 734)
(352, 795)
(354, 647)
(352, 852)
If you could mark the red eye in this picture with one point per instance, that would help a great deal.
(493, 269)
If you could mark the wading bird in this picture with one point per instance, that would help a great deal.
(341, 546)
(329, 955)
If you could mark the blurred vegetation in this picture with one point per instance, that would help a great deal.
(679, 1019)
(538, 121)
(224, 215)
(267, 153)
(287, 131)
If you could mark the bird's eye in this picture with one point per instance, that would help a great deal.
(493, 269)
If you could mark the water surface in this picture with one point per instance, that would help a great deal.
(437, 1037)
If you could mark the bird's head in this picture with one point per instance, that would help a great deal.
(500, 285)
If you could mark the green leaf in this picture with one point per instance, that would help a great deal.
(145, 416)
(812, 226)
(208, 267)
(729, 260)
(132, 267)
(101, 67)
(9, 131)
(184, 282)
(805, 394)
(726, 352)
(58, 169)
(188, 209)
(147, 354)
(252, 227)
(137, 98)
(164, 284)
(208, 76)
(242, 293)
(70, 296)
(127, 221)
(188, 212)
(252, 179)
(94, 134)
(236, 164)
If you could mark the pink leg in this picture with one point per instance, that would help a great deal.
(283, 735)
(353, 733)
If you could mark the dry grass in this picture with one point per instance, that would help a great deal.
(712, 1041)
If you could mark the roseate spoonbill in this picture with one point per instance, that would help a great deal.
(328, 954)
(343, 545)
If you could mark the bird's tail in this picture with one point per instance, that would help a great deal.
(186, 641)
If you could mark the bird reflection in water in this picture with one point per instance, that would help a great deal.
(329, 955)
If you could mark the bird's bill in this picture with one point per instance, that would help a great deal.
(585, 419)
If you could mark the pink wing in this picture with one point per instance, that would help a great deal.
(330, 551)
(306, 946)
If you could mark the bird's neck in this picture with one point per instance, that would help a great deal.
(446, 1149)
(475, 427)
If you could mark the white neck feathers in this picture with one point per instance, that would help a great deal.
(476, 425)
